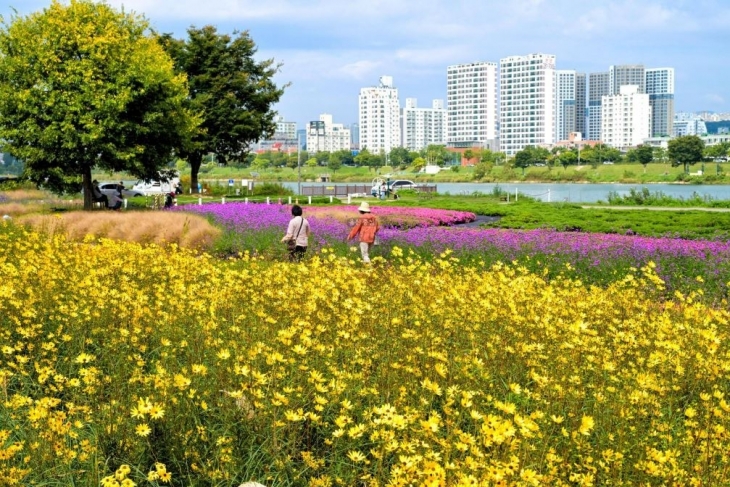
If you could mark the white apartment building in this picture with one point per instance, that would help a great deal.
(566, 110)
(284, 129)
(325, 136)
(473, 108)
(379, 117)
(660, 87)
(421, 127)
(527, 97)
(625, 118)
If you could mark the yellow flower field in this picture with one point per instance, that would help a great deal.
(124, 364)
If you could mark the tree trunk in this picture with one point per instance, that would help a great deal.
(195, 160)
(88, 193)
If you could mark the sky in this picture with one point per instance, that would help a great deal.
(330, 49)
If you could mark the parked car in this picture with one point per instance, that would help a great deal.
(402, 184)
(111, 189)
(393, 186)
(157, 187)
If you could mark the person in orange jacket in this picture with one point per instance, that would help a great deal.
(367, 227)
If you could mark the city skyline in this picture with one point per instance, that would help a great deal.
(331, 50)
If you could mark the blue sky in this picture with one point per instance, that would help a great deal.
(330, 49)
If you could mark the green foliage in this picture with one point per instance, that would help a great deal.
(436, 154)
(527, 214)
(482, 169)
(419, 163)
(334, 162)
(400, 157)
(685, 151)
(83, 85)
(644, 154)
(232, 91)
(645, 197)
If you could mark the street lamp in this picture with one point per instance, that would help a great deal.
(299, 164)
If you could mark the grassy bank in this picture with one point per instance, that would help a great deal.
(603, 173)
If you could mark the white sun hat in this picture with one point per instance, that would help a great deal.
(364, 207)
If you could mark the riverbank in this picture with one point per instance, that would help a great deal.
(600, 174)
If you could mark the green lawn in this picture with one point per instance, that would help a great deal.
(603, 173)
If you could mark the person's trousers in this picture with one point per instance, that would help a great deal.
(365, 251)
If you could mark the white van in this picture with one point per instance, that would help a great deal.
(156, 187)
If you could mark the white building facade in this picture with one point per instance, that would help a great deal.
(625, 118)
(660, 87)
(421, 127)
(527, 98)
(287, 130)
(324, 135)
(379, 117)
(473, 107)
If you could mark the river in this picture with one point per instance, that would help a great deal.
(572, 192)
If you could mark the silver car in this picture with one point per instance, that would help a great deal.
(110, 189)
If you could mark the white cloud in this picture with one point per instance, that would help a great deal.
(715, 98)
(359, 70)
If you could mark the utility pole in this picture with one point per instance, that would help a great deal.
(299, 164)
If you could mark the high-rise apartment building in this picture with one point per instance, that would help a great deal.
(598, 87)
(581, 105)
(325, 136)
(527, 97)
(660, 87)
(566, 111)
(625, 118)
(421, 127)
(471, 96)
(379, 117)
(627, 74)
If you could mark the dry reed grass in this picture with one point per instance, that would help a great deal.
(16, 209)
(25, 195)
(160, 227)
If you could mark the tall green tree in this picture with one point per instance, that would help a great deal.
(233, 93)
(334, 162)
(685, 151)
(567, 158)
(363, 158)
(400, 157)
(436, 154)
(718, 152)
(644, 154)
(525, 158)
(83, 85)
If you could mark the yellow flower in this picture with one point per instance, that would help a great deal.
(143, 430)
(355, 456)
(157, 411)
(586, 425)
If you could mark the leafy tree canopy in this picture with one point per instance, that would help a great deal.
(685, 150)
(84, 85)
(233, 92)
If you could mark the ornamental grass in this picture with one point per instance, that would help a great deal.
(130, 364)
